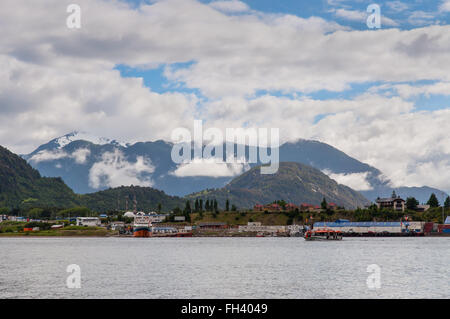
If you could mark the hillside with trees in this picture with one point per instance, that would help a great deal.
(294, 182)
(21, 185)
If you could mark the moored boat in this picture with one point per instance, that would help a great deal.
(323, 234)
(142, 225)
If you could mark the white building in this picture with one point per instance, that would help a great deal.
(88, 221)
(258, 227)
(157, 218)
(117, 225)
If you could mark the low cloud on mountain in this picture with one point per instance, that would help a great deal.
(356, 181)
(211, 168)
(79, 156)
(115, 170)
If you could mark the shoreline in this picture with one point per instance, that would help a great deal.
(437, 235)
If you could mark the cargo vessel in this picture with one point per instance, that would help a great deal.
(142, 226)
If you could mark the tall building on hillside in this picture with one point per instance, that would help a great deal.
(394, 202)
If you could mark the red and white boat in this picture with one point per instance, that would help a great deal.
(142, 226)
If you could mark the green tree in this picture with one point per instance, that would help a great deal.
(35, 213)
(227, 205)
(196, 209)
(447, 202)
(200, 205)
(159, 207)
(433, 201)
(188, 217)
(233, 208)
(411, 203)
(187, 208)
(215, 205)
(324, 204)
(75, 212)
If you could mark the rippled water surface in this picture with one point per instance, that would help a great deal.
(224, 267)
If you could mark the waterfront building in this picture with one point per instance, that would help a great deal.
(445, 228)
(372, 227)
(117, 225)
(88, 221)
(158, 218)
(213, 225)
(259, 228)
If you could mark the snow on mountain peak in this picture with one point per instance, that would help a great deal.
(77, 135)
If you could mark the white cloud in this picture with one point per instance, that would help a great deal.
(100, 102)
(210, 167)
(232, 6)
(46, 156)
(80, 155)
(419, 18)
(115, 170)
(445, 6)
(397, 6)
(356, 181)
(407, 91)
(352, 15)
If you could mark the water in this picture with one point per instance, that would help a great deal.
(224, 267)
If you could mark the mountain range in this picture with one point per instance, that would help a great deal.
(22, 186)
(89, 164)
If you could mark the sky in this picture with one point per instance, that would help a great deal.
(136, 70)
